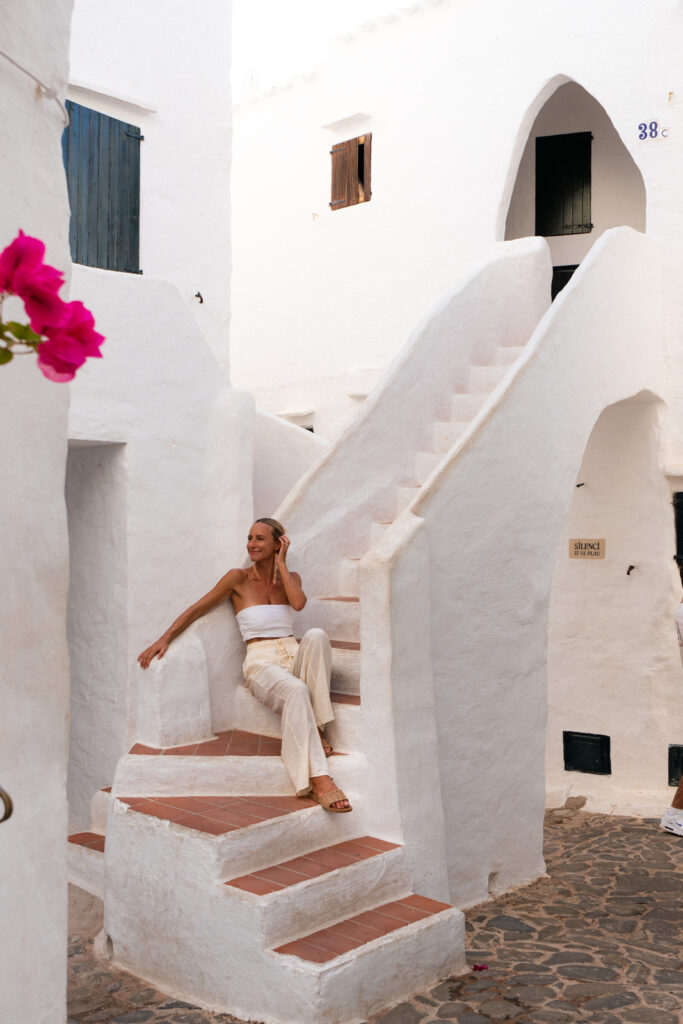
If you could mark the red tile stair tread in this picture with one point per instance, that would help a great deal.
(91, 840)
(318, 862)
(217, 815)
(237, 743)
(337, 697)
(364, 927)
(345, 645)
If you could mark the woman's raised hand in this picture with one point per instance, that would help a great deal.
(155, 650)
(281, 553)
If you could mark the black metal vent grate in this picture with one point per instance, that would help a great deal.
(675, 763)
(587, 752)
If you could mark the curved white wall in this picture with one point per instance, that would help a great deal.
(33, 549)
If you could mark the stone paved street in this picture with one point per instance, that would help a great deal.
(598, 940)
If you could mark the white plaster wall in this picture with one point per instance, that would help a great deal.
(613, 663)
(166, 67)
(282, 454)
(345, 288)
(33, 549)
(188, 438)
(494, 516)
(617, 189)
(97, 622)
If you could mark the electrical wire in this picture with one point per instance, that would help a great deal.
(48, 91)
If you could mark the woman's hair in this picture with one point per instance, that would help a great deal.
(277, 528)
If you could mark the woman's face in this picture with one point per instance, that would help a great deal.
(260, 543)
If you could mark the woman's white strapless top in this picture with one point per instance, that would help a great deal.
(266, 620)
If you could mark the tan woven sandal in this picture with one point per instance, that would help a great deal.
(326, 799)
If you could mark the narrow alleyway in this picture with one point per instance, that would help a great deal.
(599, 939)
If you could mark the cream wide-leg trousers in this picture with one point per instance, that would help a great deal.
(294, 680)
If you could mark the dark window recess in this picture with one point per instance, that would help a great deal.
(678, 520)
(563, 184)
(102, 162)
(351, 172)
(587, 752)
(675, 764)
(561, 277)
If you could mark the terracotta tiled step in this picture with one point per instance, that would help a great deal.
(311, 865)
(345, 645)
(217, 815)
(91, 840)
(345, 698)
(357, 931)
(234, 742)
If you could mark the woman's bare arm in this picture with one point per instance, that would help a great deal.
(221, 592)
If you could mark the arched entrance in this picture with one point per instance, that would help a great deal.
(575, 180)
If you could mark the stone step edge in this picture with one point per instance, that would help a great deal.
(352, 934)
(258, 884)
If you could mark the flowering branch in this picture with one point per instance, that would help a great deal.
(61, 333)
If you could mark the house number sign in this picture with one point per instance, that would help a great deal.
(652, 130)
(583, 548)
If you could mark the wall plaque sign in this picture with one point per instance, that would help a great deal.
(583, 548)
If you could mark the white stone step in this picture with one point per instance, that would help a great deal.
(466, 406)
(168, 775)
(509, 354)
(345, 668)
(485, 378)
(344, 733)
(338, 616)
(85, 868)
(447, 433)
(209, 946)
(406, 494)
(99, 810)
(348, 576)
(377, 531)
(318, 902)
(425, 464)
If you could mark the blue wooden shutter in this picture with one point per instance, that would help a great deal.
(563, 184)
(102, 162)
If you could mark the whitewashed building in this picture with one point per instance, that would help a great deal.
(488, 538)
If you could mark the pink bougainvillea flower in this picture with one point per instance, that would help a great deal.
(70, 344)
(23, 255)
(23, 273)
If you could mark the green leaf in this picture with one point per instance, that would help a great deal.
(22, 332)
(5, 355)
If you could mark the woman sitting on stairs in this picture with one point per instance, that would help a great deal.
(292, 679)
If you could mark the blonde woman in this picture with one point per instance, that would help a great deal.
(291, 678)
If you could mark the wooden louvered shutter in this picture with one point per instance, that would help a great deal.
(563, 184)
(366, 141)
(102, 162)
(340, 175)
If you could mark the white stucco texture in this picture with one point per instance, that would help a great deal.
(96, 497)
(154, 66)
(33, 550)
(345, 287)
(282, 453)
(183, 483)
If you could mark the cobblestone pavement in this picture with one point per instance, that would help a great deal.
(598, 940)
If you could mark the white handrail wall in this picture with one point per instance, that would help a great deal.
(328, 513)
(490, 519)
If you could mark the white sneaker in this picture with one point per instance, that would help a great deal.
(672, 821)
